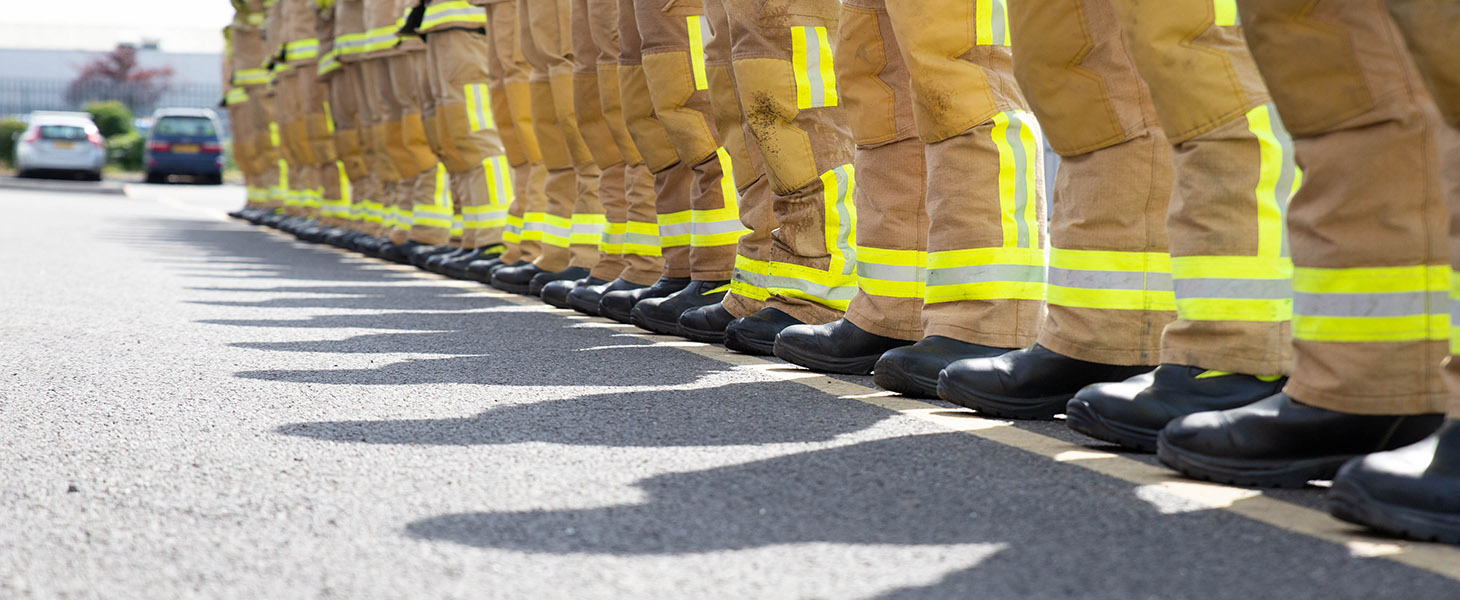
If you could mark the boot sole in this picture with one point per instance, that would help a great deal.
(700, 335)
(590, 311)
(859, 365)
(626, 319)
(1033, 409)
(1081, 418)
(555, 303)
(744, 345)
(1290, 474)
(511, 288)
(638, 319)
(893, 378)
(1351, 503)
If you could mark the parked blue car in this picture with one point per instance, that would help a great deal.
(184, 141)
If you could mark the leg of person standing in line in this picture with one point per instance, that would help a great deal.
(1371, 273)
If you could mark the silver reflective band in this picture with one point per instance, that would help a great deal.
(641, 239)
(986, 274)
(676, 229)
(1109, 280)
(815, 290)
(891, 272)
(1236, 289)
(718, 227)
(1392, 304)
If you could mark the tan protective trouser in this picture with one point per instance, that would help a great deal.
(471, 149)
(1429, 28)
(782, 63)
(243, 152)
(950, 228)
(632, 231)
(380, 202)
(273, 165)
(672, 47)
(409, 148)
(293, 139)
(508, 73)
(346, 111)
(574, 217)
(593, 124)
(1367, 225)
(1108, 300)
(673, 178)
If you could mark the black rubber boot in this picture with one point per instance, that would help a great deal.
(1279, 442)
(482, 270)
(1132, 412)
(455, 267)
(585, 298)
(661, 315)
(836, 347)
(913, 370)
(1412, 492)
(418, 253)
(516, 280)
(556, 293)
(433, 264)
(534, 287)
(756, 333)
(1032, 383)
(706, 323)
(393, 252)
(619, 306)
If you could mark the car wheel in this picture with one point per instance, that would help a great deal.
(93, 176)
(152, 177)
(214, 179)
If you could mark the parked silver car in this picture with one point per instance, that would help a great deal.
(60, 142)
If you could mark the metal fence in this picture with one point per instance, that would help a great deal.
(21, 96)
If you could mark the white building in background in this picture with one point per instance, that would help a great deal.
(37, 62)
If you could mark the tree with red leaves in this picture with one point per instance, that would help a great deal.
(117, 76)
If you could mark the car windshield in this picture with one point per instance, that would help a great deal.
(184, 127)
(62, 132)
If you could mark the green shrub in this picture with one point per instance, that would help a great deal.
(125, 151)
(112, 117)
(9, 130)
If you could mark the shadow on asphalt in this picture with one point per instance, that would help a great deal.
(1066, 532)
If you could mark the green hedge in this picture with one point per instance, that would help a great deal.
(125, 151)
(112, 118)
(9, 130)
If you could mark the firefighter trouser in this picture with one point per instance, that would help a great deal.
(950, 239)
(407, 146)
(673, 37)
(574, 218)
(274, 171)
(379, 202)
(256, 192)
(320, 134)
(673, 178)
(1367, 227)
(632, 229)
(508, 85)
(469, 144)
(784, 78)
(293, 99)
(1221, 295)
(346, 112)
(593, 124)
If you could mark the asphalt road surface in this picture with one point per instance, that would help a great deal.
(193, 407)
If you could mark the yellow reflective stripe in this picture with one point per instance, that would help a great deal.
(814, 285)
(329, 62)
(453, 12)
(722, 226)
(1015, 134)
(992, 19)
(698, 34)
(612, 242)
(235, 96)
(841, 218)
(676, 228)
(512, 233)
(458, 227)
(499, 181)
(587, 229)
(532, 226)
(1225, 12)
(250, 77)
(1110, 280)
(274, 135)
(304, 49)
(642, 239)
(1278, 179)
(1233, 288)
(349, 43)
(379, 38)
(329, 118)
(747, 279)
(557, 231)
(479, 107)
(985, 274)
(1454, 313)
(1372, 304)
(811, 60)
(892, 273)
